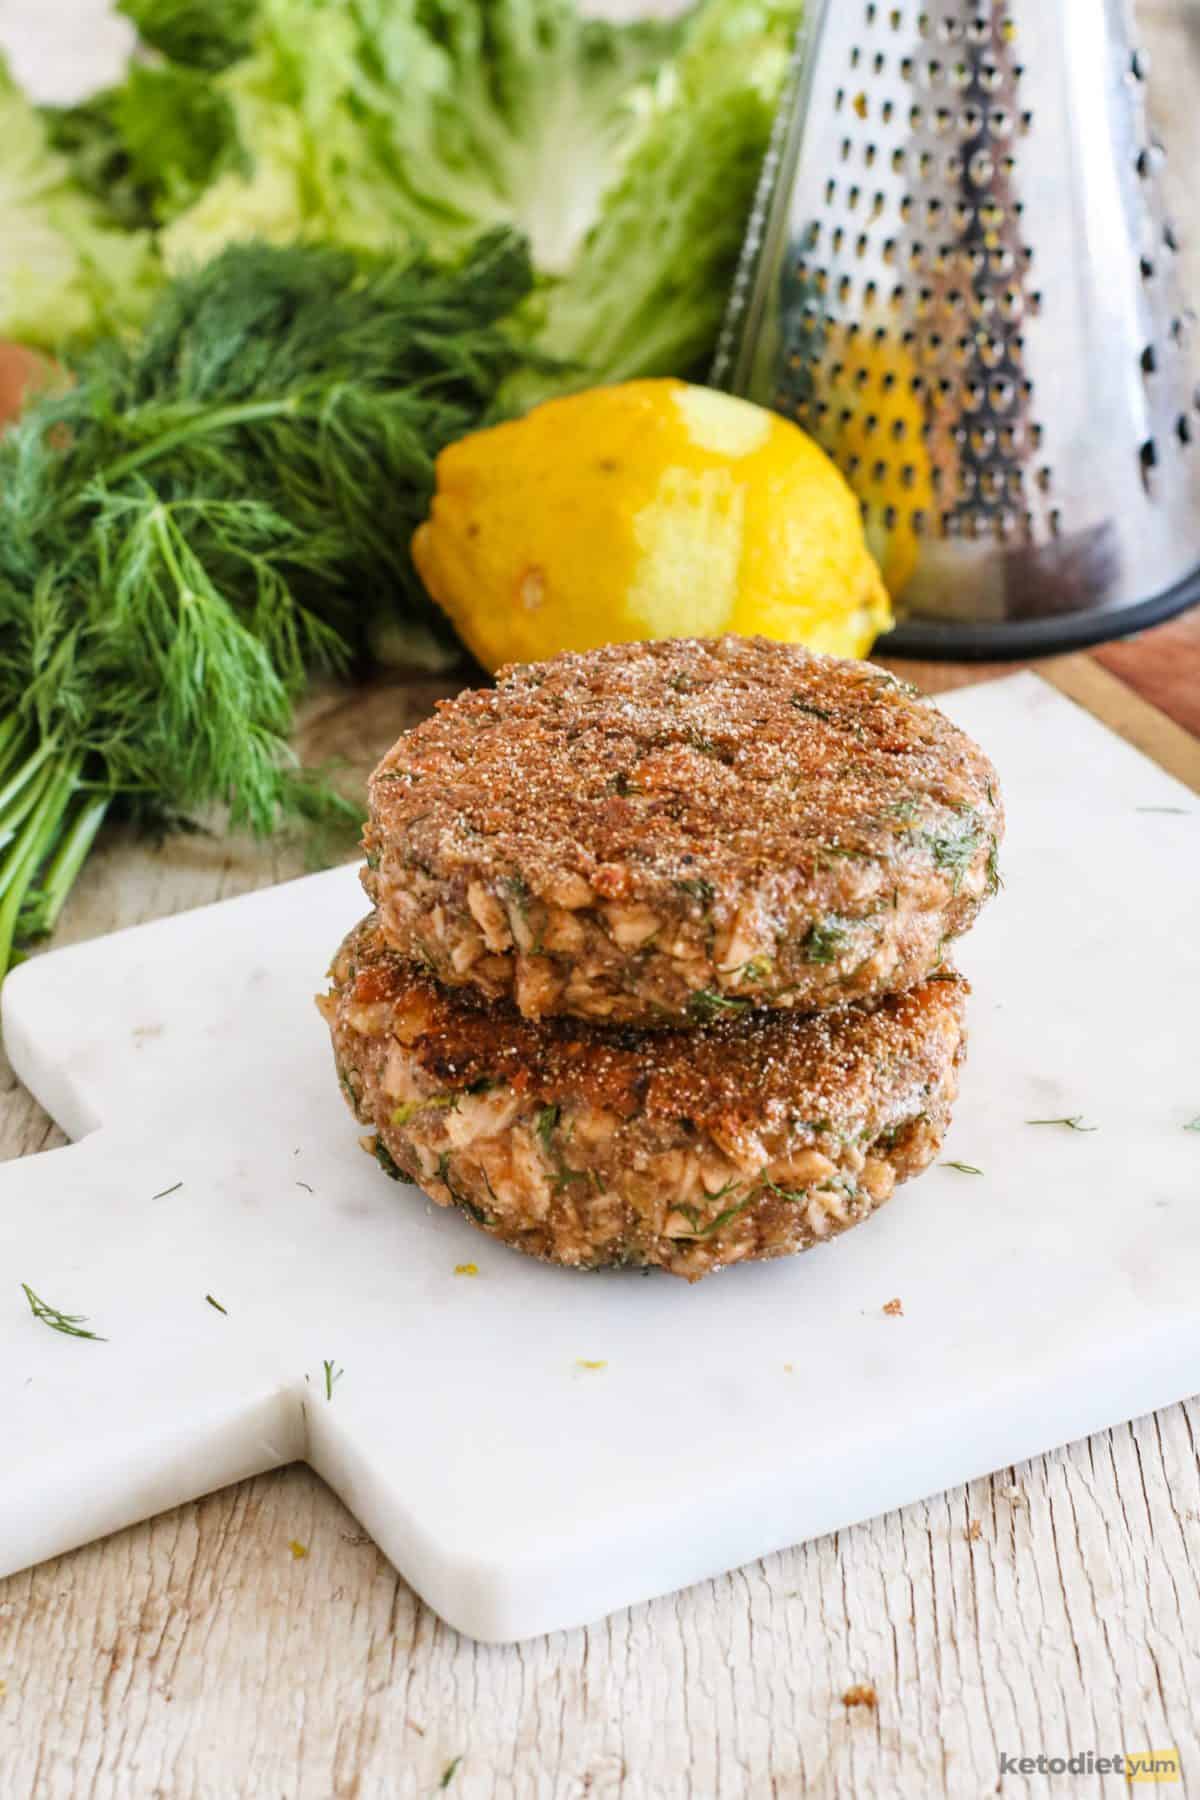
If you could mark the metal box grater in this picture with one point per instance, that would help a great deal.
(958, 277)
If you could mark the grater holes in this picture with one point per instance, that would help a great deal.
(950, 30)
(1147, 268)
(1149, 360)
(1139, 65)
(1170, 239)
(839, 99)
(1148, 459)
(895, 18)
(1183, 430)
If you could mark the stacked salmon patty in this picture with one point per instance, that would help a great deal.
(658, 968)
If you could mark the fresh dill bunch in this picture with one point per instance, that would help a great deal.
(207, 514)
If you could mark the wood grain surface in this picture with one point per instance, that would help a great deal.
(1050, 1608)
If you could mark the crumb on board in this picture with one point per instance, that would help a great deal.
(861, 1694)
(298, 1550)
(893, 1309)
(789, 1368)
(973, 1532)
(1015, 1496)
(581, 1362)
(466, 1268)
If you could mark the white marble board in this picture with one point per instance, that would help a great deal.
(518, 1492)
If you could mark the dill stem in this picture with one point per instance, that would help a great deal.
(69, 859)
(24, 857)
(23, 776)
(206, 421)
(26, 800)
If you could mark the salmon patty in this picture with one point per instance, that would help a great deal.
(671, 832)
(746, 1137)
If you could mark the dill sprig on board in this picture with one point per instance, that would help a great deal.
(70, 1324)
(208, 514)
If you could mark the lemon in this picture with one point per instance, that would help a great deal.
(873, 428)
(650, 509)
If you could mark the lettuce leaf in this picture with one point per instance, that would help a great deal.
(65, 270)
(647, 291)
(430, 119)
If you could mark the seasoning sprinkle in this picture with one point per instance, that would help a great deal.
(332, 1375)
(217, 1304)
(1074, 1123)
(963, 1168)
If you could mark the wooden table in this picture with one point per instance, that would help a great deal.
(1053, 1607)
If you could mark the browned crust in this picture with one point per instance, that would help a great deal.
(749, 1137)
(795, 830)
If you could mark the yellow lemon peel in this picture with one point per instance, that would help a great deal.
(648, 509)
